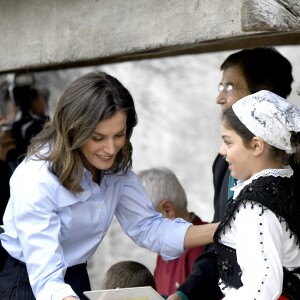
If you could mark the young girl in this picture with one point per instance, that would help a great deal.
(64, 195)
(257, 242)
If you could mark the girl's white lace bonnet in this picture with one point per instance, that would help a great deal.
(269, 117)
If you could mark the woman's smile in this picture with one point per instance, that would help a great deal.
(101, 149)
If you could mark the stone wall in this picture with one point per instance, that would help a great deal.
(43, 34)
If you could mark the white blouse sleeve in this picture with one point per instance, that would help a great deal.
(259, 237)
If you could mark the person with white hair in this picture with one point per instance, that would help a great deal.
(257, 242)
(169, 198)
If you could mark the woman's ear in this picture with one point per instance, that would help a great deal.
(258, 146)
(167, 208)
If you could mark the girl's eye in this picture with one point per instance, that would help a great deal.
(121, 134)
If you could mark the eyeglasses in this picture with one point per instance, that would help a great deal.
(228, 88)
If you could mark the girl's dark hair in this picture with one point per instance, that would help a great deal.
(264, 68)
(295, 142)
(88, 100)
(233, 122)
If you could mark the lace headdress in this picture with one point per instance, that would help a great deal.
(269, 117)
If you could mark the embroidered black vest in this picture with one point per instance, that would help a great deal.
(278, 195)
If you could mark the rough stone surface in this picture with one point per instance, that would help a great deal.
(43, 34)
(271, 15)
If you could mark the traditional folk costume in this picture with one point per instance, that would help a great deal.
(257, 242)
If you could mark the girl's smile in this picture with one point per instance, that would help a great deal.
(236, 154)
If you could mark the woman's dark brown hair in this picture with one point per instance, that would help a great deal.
(88, 100)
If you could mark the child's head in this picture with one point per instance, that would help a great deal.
(125, 274)
(260, 131)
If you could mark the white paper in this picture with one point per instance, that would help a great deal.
(137, 293)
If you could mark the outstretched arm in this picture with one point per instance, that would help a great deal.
(199, 235)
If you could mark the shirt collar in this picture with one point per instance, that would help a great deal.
(286, 171)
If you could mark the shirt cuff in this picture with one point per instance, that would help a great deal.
(182, 295)
(173, 245)
(56, 292)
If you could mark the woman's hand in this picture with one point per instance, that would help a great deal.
(73, 298)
